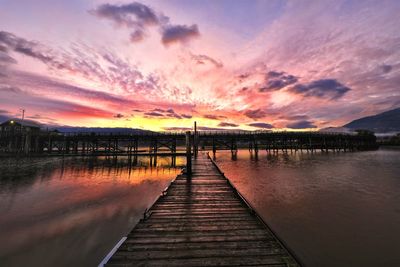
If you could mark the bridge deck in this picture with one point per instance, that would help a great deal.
(201, 222)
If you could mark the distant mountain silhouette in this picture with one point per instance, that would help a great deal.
(100, 130)
(384, 122)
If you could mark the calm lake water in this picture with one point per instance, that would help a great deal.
(71, 212)
(332, 209)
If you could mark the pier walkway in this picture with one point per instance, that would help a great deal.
(202, 221)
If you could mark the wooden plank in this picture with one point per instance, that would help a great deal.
(211, 261)
(202, 253)
(198, 245)
(201, 221)
(226, 223)
(197, 233)
(195, 228)
(189, 238)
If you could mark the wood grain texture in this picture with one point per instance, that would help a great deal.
(201, 221)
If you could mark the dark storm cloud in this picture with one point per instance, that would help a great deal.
(277, 80)
(262, 125)
(227, 124)
(325, 88)
(202, 59)
(179, 33)
(301, 125)
(138, 18)
(255, 114)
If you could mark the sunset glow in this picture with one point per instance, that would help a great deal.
(161, 65)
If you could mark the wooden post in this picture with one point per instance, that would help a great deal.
(195, 140)
(214, 146)
(188, 155)
(27, 143)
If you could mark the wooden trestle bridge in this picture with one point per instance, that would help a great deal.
(153, 143)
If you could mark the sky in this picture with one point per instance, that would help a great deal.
(163, 64)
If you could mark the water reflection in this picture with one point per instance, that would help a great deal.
(71, 212)
(333, 209)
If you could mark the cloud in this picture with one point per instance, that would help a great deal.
(118, 115)
(294, 117)
(202, 59)
(102, 104)
(59, 108)
(227, 124)
(46, 85)
(255, 114)
(153, 114)
(301, 124)
(277, 80)
(28, 48)
(186, 116)
(10, 89)
(213, 117)
(164, 113)
(138, 18)
(262, 125)
(179, 34)
(324, 88)
(101, 66)
(386, 68)
(134, 15)
(6, 59)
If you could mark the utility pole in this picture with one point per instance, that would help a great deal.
(23, 113)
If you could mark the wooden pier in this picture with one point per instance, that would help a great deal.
(201, 220)
(50, 143)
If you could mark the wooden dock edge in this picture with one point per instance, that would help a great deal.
(146, 214)
(283, 244)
